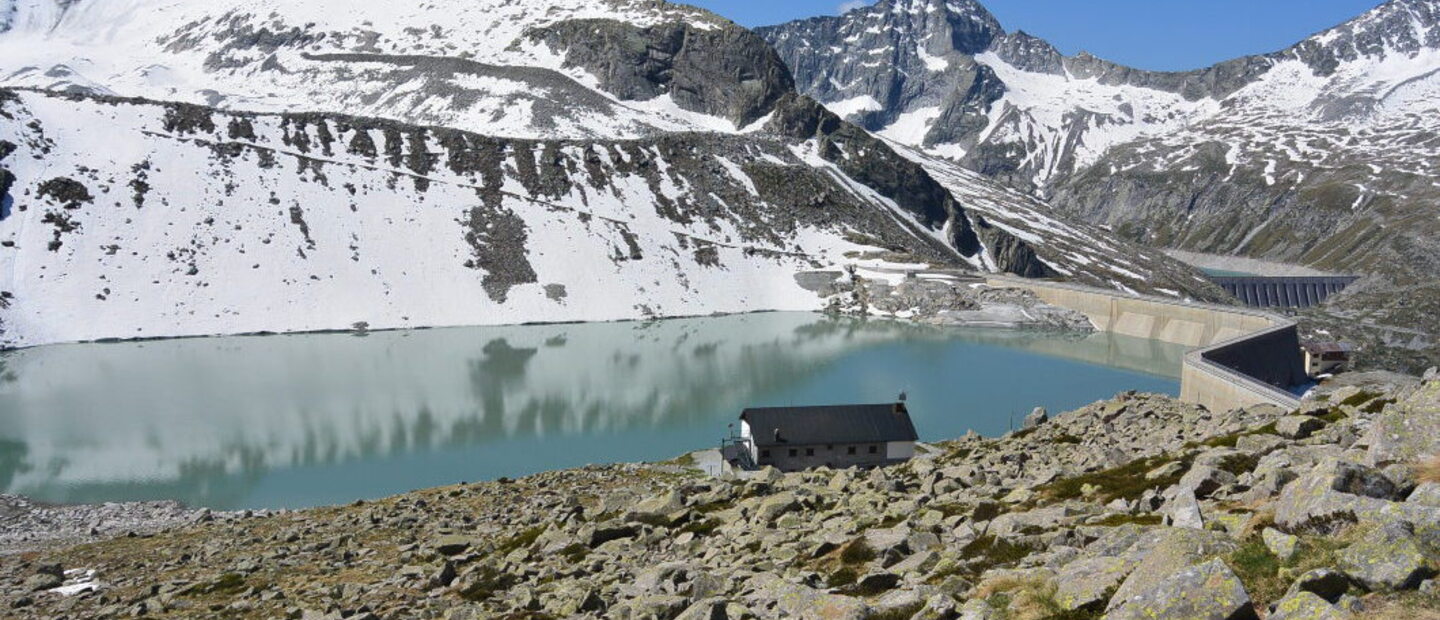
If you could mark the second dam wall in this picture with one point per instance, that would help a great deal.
(1242, 357)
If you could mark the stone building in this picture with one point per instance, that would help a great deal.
(836, 436)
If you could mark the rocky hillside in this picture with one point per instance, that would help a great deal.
(1322, 154)
(537, 167)
(1138, 507)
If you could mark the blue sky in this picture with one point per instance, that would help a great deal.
(1150, 34)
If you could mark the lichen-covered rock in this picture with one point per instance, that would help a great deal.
(799, 601)
(1332, 494)
(1306, 606)
(1184, 510)
(1281, 544)
(1408, 430)
(1427, 494)
(1298, 426)
(1204, 480)
(1171, 549)
(1209, 591)
(1323, 582)
(1086, 584)
(1389, 557)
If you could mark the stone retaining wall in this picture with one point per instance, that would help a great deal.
(1241, 355)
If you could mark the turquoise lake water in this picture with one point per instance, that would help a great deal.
(304, 420)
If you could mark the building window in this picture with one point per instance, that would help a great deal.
(764, 454)
(793, 452)
(852, 450)
(809, 451)
(874, 449)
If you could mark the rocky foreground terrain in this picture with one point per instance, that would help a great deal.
(1137, 507)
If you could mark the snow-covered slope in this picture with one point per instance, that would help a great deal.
(184, 167)
(485, 65)
(136, 220)
(1308, 154)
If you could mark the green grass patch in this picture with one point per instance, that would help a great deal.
(1124, 482)
(1377, 405)
(842, 578)
(484, 584)
(1119, 520)
(1229, 441)
(898, 613)
(575, 552)
(1022, 433)
(227, 584)
(523, 539)
(1359, 398)
(702, 528)
(857, 552)
(653, 520)
(1067, 438)
(715, 507)
(987, 552)
(1259, 570)
(684, 460)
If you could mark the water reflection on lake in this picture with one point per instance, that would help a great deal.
(303, 420)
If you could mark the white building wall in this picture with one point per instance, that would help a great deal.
(750, 439)
(899, 449)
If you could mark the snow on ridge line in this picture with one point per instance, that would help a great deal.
(210, 53)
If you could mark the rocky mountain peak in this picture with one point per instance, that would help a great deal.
(1405, 27)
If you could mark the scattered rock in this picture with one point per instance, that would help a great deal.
(1281, 544)
(1210, 590)
(1389, 557)
(1298, 426)
(1306, 606)
(1325, 583)
(1037, 417)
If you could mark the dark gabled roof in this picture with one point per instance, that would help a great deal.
(830, 424)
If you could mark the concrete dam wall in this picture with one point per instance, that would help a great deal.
(1283, 292)
(1242, 357)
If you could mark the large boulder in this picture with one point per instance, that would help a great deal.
(1037, 417)
(1332, 494)
(1306, 606)
(662, 504)
(1322, 582)
(1209, 591)
(1184, 510)
(1298, 426)
(1389, 557)
(1408, 430)
(1204, 480)
(1427, 494)
(775, 505)
(798, 601)
(1175, 549)
(1086, 584)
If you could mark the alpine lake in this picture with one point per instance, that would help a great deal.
(292, 421)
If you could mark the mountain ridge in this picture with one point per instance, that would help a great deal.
(1321, 154)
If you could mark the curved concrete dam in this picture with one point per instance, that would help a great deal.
(1242, 357)
(1283, 292)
